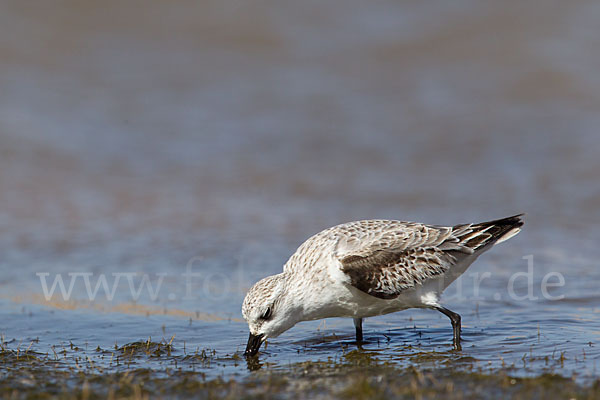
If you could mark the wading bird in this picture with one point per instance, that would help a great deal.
(366, 268)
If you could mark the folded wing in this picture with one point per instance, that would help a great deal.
(384, 258)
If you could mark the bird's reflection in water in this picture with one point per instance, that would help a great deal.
(253, 363)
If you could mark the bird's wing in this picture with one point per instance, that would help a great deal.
(384, 258)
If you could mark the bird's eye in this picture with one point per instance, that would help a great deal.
(267, 314)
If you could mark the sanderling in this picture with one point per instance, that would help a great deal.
(365, 268)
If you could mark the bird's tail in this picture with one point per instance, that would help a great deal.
(485, 234)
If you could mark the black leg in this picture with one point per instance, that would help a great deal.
(455, 319)
(358, 326)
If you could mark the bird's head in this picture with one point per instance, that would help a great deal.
(268, 311)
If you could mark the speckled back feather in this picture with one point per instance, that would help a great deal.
(385, 257)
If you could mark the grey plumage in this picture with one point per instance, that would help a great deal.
(404, 254)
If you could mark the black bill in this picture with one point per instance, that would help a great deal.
(254, 342)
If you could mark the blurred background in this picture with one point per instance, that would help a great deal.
(137, 135)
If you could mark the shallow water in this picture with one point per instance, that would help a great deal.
(164, 141)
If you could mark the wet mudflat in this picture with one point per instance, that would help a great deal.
(192, 357)
(356, 374)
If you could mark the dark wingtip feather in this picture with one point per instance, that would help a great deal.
(488, 233)
(516, 221)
